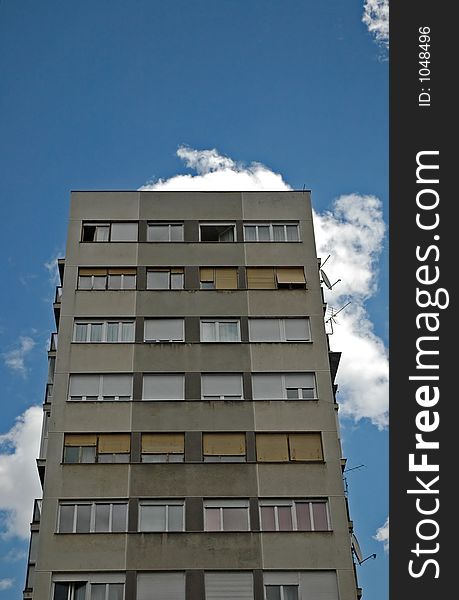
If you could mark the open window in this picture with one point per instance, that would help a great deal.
(115, 231)
(218, 278)
(217, 232)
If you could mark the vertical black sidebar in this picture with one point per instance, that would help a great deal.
(424, 403)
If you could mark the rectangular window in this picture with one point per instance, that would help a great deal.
(91, 331)
(221, 386)
(226, 515)
(294, 515)
(222, 330)
(164, 330)
(107, 591)
(271, 232)
(109, 386)
(169, 386)
(284, 386)
(224, 447)
(165, 279)
(90, 517)
(161, 515)
(110, 232)
(218, 278)
(97, 448)
(165, 232)
(217, 232)
(279, 330)
(160, 586)
(271, 278)
(78, 590)
(163, 447)
(281, 592)
(289, 447)
(291, 585)
(229, 585)
(107, 279)
(70, 591)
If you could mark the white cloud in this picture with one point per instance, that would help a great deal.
(376, 18)
(353, 233)
(51, 266)
(15, 359)
(14, 555)
(19, 483)
(382, 535)
(218, 173)
(6, 584)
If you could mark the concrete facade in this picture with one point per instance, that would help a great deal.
(309, 559)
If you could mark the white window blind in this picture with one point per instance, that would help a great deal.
(164, 586)
(279, 330)
(219, 385)
(84, 385)
(168, 330)
(163, 387)
(229, 586)
(266, 386)
(114, 386)
(124, 232)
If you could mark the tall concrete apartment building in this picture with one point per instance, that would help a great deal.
(190, 445)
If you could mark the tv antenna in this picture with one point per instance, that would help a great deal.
(346, 487)
(324, 276)
(358, 552)
(333, 313)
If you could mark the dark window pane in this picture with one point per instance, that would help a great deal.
(79, 591)
(115, 591)
(119, 517)
(175, 518)
(83, 518)
(292, 393)
(302, 516)
(71, 454)
(290, 592)
(61, 591)
(235, 519)
(176, 234)
(263, 233)
(98, 591)
(250, 233)
(88, 453)
(273, 592)
(99, 282)
(102, 517)
(114, 282)
(319, 511)
(284, 514)
(66, 518)
(267, 518)
(89, 233)
(292, 233)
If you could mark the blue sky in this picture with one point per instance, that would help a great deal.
(100, 94)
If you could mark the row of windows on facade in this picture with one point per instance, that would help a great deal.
(171, 386)
(170, 447)
(173, 278)
(118, 231)
(222, 585)
(291, 329)
(163, 515)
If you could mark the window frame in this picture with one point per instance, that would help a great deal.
(105, 323)
(228, 224)
(217, 322)
(221, 505)
(289, 447)
(163, 341)
(169, 231)
(163, 374)
(292, 503)
(97, 454)
(169, 271)
(106, 276)
(222, 397)
(166, 455)
(281, 587)
(282, 330)
(92, 518)
(224, 458)
(100, 397)
(285, 387)
(166, 503)
(109, 225)
(271, 224)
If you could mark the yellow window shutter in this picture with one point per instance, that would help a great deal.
(272, 447)
(290, 275)
(122, 271)
(88, 271)
(206, 274)
(114, 443)
(226, 278)
(224, 444)
(80, 439)
(305, 446)
(177, 270)
(163, 443)
(261, 278)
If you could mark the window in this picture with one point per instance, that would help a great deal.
(165, 232)
(218, 278)
(271, 278)
(279, 330)
(217, 232)
(94, 590)
(110, 386)
(90, 517)
(161, 586)
(271, 232)
(165, 279)
(163, 447)
(226, 515)
(100, 448)
(224, 447)
(103, 331)
(161, 515)
(170, 386)
(221, 386)
(107, 591)
(294, 515)
(109, 232)
(164, 330)
(287, 386)
(229, 585)
(301, 585)
(70, 591)
(223, 330)
(289, 447)
(107, 279)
